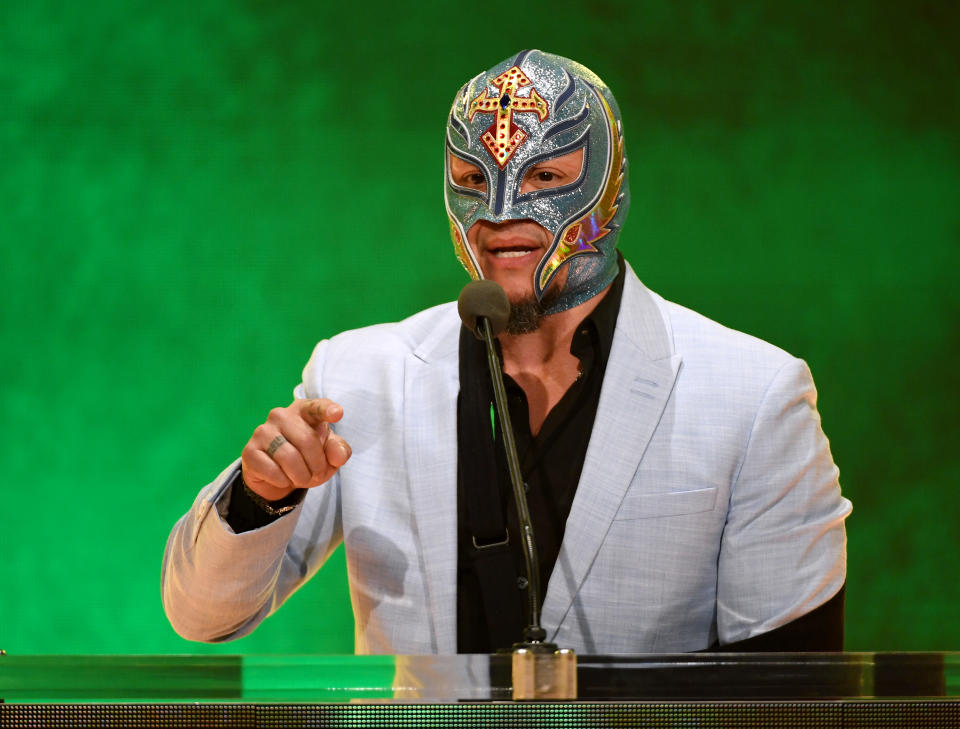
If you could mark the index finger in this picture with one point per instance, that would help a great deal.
(320, 410)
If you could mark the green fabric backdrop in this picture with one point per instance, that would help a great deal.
(195, 192)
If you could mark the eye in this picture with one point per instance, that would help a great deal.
(473, 179)
(542, 177)
(464, 174)
(555, 172)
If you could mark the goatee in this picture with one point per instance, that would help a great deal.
(527, 314)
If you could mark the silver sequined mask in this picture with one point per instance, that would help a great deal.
(524, 111)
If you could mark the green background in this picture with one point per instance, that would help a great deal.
(193, 193)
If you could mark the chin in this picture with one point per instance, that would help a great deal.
(527, 313)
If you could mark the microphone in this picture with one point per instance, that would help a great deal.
(486, 299)
(485, 310)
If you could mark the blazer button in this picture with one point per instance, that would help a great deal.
(522, 583)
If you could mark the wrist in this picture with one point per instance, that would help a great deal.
(274, 507)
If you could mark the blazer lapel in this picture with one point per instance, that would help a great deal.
(637, 384)
(430, 445)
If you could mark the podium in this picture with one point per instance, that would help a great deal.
(703, 690)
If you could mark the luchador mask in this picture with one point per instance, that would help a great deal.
(523, 112)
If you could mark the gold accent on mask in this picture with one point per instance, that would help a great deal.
(460, 249)
(579, 237)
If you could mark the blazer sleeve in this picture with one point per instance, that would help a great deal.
(783, 550)
(218, 585)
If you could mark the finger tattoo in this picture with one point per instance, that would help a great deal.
(274, 444)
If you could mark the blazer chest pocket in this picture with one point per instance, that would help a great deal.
(667, 503)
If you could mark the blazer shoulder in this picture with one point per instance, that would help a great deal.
(431, 334)
(724, 360)
(426, 331)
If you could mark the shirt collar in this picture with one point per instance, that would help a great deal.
(594, 335)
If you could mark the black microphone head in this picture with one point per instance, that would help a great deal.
(487, 299)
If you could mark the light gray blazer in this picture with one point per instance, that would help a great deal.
(708, 505)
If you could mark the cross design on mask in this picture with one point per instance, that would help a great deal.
(503, 138)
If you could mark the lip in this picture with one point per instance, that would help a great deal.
(499, 245)
(511, 253)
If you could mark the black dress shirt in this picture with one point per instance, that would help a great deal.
(550, 463)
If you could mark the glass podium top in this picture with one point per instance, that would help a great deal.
(475, 678)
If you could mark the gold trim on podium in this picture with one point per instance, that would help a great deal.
(539, 676)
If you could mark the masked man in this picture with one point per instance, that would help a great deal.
(682, 491)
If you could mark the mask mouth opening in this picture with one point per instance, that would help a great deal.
(512, 251)
(509, 239)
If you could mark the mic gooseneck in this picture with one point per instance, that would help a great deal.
(484, 309)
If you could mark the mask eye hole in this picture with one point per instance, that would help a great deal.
(555, 172)
(466, 174)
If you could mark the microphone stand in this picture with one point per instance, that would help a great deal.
(540, 669)
(533, 634)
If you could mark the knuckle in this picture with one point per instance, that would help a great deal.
(318, 463)
(276, 414)
(278, 478)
